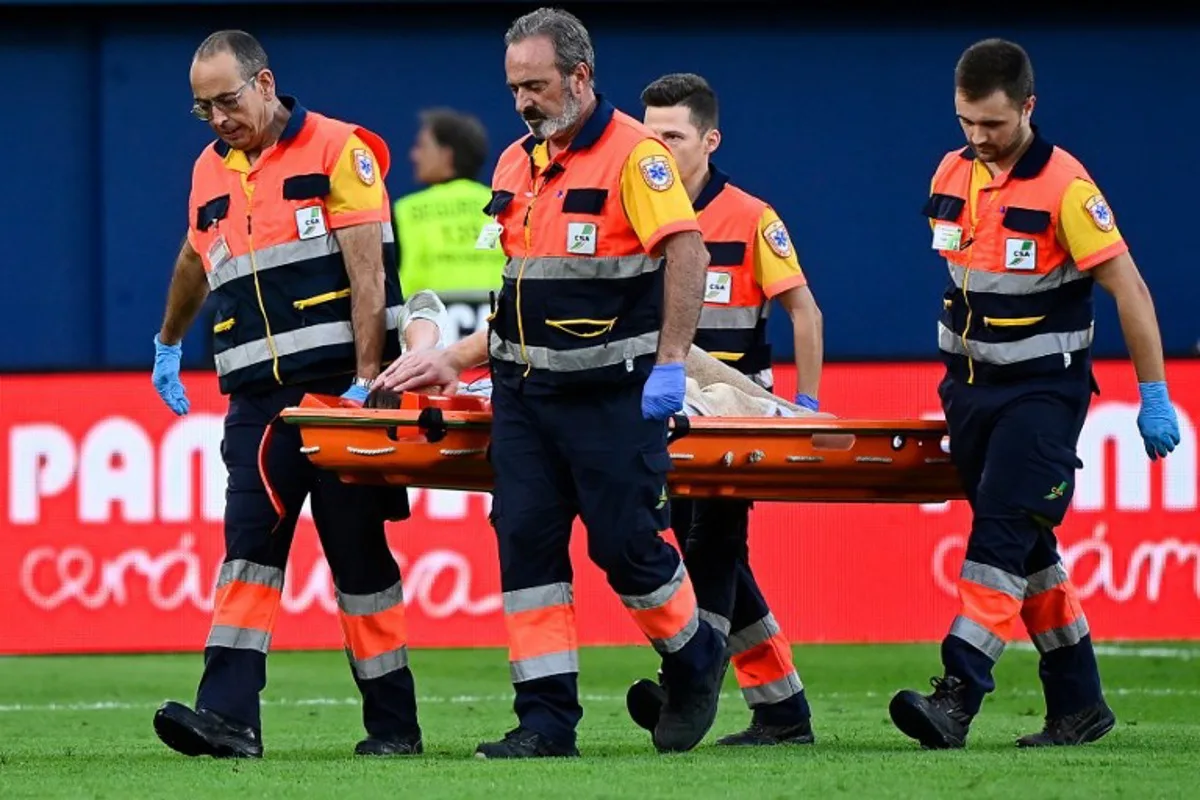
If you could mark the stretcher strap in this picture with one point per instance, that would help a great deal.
(433, 423)
(679, 427)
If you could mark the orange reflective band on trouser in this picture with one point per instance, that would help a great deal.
(245, 606)
(1051, 611)
(375, 631)
(762, 662)
(667, 616)
(990, 604)
(542, 640)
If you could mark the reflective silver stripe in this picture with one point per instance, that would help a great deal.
(673, 644)
(993, 578)
(561, 268)
(561, 663)
(249, 572)
(753, 634)
(281, 255)
(1046, 579)
(660, 596)
(580, 358)
(1042, 344)
(380, 665)
(1069, 634)
(774, 692)
(978, 637)
(292, 342)
(361, 605)
(735, 318)
(716, 620)
(238, 638)
(1012, 282)
(552, 594)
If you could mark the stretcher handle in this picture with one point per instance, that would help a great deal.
(678, 426)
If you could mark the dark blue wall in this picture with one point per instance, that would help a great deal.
(839, 127)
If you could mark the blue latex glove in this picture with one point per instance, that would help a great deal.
(807, 401)
(663, 393)
(355, 394)
(166, 376)
(1157, 421)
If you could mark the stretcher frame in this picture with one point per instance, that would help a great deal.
(442, 442)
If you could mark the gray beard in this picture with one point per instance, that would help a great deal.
(550, 127)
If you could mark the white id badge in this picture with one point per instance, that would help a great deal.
(489, 237)
(946, 236)
(310, 222)
(218, 253)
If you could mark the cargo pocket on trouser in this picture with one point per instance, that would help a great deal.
(654, 498)
(1047, 482)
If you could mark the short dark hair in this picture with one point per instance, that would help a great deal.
(995, 64)
(685, 89)
(572, 43)
(463, 133)
(249, 54)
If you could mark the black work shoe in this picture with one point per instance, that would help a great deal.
(762, 735)
(524, 743)
(690, 708)
(1081, 727)
(936, 720)
(398, 746)
(644, 701)
(205, 733)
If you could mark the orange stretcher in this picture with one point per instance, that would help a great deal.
(442, 442)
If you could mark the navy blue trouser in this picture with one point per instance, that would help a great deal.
(714, 536)
(1014, 448)
(594, 456)
(350, 523)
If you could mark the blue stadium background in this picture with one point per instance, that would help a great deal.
(837, 120)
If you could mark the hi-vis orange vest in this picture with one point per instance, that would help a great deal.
(581, 304)
(1016, 306)
(275, 269)
(733, 321)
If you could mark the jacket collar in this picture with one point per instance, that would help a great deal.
(712, 187)
(1032, 161)
(295, 122)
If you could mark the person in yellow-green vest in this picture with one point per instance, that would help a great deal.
(437, 227)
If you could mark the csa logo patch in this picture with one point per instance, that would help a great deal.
(1101, 214)
(364, 167)
(718, 288)
(777, 239)
(657, 172)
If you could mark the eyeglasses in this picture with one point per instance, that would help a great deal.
(228, 102)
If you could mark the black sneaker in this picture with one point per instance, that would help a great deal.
(205, 733)
(690, 708)
(936, 720)
(644, 701)
(524, 743)
(762, 735)
(1081, 727)
(397, 746)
